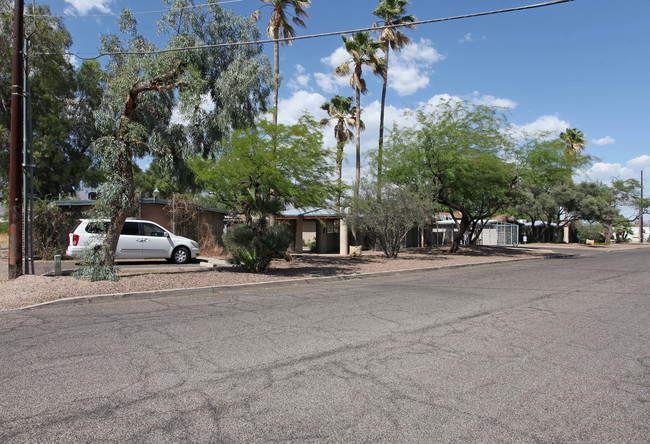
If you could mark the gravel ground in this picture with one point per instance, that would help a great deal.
(33, 289)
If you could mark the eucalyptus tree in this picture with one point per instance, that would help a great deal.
(146, 84)
(363, 52)
(340, 109)
(574, 140)
(393, 14)
(279, 25)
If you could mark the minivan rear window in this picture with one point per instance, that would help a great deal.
(97, 227)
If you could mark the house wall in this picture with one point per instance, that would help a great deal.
(308, 232)
(156, 213)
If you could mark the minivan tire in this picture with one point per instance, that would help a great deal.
(181, 255)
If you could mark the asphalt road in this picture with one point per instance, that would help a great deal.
(548, 350)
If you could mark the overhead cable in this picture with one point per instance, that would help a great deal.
(310, 36)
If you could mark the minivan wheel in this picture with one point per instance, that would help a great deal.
(181, 255)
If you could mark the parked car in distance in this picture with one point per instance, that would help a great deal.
(140, 239)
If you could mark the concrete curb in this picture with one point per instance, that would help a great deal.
(195, 291)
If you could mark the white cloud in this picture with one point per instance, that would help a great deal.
(409, 70)
(490, 100)
(328, 82)
(84, 6)
(292, 108)
(639, 163)
(336, 58)
(466, 38)
(406, 80)
(604, 141)
(551, 125)
(604, 171)
(420, 52)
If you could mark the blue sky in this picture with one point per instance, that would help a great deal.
(581, 64)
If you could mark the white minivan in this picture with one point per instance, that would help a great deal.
(140, 239)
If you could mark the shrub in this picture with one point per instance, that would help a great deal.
(92, 268)
(593, 231)
(51, 228)
(254, 250)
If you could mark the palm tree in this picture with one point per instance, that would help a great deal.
(340, 109)
(279, 23)
(392, 12)
(574, 141)
(363, 50)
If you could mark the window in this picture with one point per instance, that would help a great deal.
(152, 230)
(97, 227)
(131, 228)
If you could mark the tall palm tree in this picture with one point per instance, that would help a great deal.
(574, 141)
(341, 110)
(363, 51)
(279, 24)
(393, 14)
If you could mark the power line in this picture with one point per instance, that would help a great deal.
(310, 36)
(134, 13)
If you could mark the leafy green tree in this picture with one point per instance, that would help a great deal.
(574, 140)
(299, 169)
(455, 154)
(262, 171)
(389, 216)
(341, 110)
(63, 101)
(363, 52)
(279, 25)
(393, 14)
(144, 85)
(545, 175)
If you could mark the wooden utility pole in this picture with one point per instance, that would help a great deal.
(15, 147)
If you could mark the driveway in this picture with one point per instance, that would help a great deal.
(549, 350)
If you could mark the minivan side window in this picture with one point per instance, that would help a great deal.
(131, 228)
(152, 230)
(97, 227)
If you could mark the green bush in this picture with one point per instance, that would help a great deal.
(254, 249)
(593, 231)
(4, 227)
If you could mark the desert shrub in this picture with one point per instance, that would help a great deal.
(185, 213)
(593, 231)
(208, 242)
(51, 228)
(92, 268)
(254, 250)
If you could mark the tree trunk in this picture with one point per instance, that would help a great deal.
(276, 70)
(357, 176)
(464, 224)
(339, 169)
(380, 146)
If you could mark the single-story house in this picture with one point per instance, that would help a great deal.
(309, 225)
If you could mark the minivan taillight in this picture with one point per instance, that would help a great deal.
(75, 240)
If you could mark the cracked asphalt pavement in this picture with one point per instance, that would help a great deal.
(543, 350)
